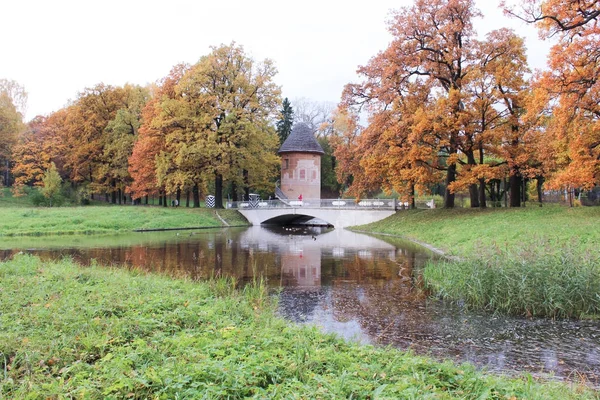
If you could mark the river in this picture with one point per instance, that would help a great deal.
(360, 287)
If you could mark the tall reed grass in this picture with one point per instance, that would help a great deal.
(534, 279)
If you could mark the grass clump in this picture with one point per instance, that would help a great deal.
(71, 332)
(538, 279)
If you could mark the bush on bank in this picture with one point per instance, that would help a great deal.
(71, 332)
(538, 279)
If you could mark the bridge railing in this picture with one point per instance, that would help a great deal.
(350, 204)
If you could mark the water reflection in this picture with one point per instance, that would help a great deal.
(360, 287)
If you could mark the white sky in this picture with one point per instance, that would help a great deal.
(56, 48)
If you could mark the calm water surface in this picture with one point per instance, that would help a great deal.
(360, 287)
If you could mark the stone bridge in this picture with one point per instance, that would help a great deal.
(341, 213)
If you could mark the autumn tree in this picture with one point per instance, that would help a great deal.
(572, 87)
(158, 121)
(432, 46)
(494, 140)
(33, 153)
(11, 124)
(97, 134)
(223, 115)
(119, 137)
(285, 121)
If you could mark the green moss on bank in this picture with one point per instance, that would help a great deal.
(71, 332)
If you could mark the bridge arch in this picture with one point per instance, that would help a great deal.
(339, 218)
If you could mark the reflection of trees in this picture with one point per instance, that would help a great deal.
(382, 297)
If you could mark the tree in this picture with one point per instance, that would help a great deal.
(316, 115)
(119, 137)
(285, 121)
(31, 154)
(572, 87)
(225, 107)
(52, 182)
(157, 122)
(432, 47)
(11, 125)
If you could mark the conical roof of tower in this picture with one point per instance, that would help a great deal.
(301, 140)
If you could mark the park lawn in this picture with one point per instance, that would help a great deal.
(462, 232)
(112, 219)
(73, 332)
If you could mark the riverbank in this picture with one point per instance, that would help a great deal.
(70, 332)
(29, 221)
(462, 232)
(533, 261)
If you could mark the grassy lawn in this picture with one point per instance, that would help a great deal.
(531, 261)
(464, 231)
(72, 332)
(19, 217)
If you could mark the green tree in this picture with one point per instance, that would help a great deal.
(52, 181)
(222, 122)
(11, 125)
(285, 121)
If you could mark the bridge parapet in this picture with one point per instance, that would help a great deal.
(334, 204)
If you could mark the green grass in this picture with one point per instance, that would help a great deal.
(536, 279)
(530, 261)
(19, 217)
(94, 219)
(71, 332)
(464, 231)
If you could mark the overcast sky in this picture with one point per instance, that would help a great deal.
(56, 48)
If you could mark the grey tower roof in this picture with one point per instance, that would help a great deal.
(301, 140)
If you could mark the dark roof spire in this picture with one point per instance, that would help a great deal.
(301, 140)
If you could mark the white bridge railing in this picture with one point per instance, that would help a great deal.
(350, 204)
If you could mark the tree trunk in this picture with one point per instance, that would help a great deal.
(412, 197)
(219, 191)
(187, 198)
(505, 193)
(473, 191)
(146, 199)
(482, 203)
(474, 195)
(450, 177)
(178, 196)
(120, 195)
(515, 181)
(246, 184)
(540, 192)
(234, 192)
(165, 199)
(6, 182)
(196, 194)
